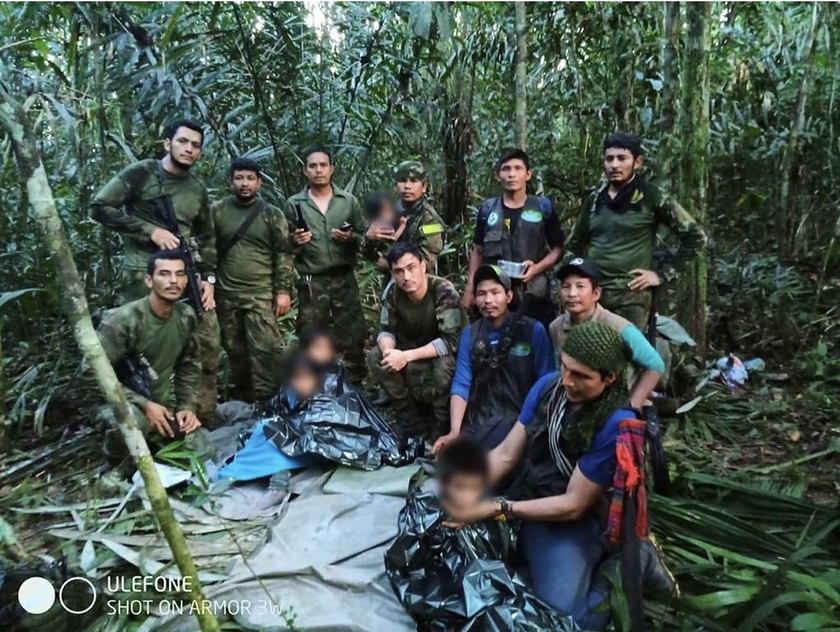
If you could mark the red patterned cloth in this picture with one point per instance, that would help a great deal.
(629, 480)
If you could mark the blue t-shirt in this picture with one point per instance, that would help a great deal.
(598, 463)
(544, 359)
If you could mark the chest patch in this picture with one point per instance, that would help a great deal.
(535, 217)
(520, 350)
(638, 196)
(493, 219)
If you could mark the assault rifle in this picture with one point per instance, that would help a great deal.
(166, 214)
(135, 373)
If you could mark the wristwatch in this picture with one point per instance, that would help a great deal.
(211, 279)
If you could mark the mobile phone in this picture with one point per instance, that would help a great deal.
(345, 227)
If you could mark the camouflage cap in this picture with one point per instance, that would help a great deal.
(411, 169)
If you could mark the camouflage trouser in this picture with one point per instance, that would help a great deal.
(425, 382)
(253, 342)
(114, 447)
(133, 288)
(634, 306)
(333, 303)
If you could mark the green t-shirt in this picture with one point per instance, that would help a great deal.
(439, 315)
(126, 205)
(169, 345)
(260, 263)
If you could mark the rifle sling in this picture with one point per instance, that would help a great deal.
(231, 241)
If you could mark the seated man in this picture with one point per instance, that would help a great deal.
(500, 356)
(566, 439)
(421, 322)
(579, 294)
(157, 335)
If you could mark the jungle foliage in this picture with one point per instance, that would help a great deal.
(736, 101)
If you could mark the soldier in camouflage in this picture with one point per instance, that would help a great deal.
(255, 278)
(161, 333)
(617, 230)
(420, 326)
(418, 221)
(126, 205)
(329, 229)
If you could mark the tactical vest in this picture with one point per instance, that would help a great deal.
(502, 377)
(527, 242)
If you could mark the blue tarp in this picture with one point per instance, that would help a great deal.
(260, 458)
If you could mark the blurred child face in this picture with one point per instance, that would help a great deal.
(304, 383)
(321, 351)
(387, 215)
(464, 490)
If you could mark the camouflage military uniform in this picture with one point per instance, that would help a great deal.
(251, 273)
(135, 188)
(328, 293)
(619, 235)
(438, 319)
(171, 348)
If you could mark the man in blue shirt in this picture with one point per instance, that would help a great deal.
(500, 356)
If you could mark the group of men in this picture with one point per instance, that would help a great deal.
(250, 260)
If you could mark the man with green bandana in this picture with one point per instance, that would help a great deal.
(414, 360)
(566, 440)
(127, 205)
(328, 231)
(617, 230)
(159, 333)
(254, 289)
(423, 226)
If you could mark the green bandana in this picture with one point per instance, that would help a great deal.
(601, 348)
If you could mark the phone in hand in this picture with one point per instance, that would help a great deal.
(345, 227)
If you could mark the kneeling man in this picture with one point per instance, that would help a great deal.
(421, 322)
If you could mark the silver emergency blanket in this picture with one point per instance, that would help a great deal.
(340, 425)
(464, 580)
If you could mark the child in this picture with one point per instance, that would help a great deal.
(317, 345)
(383, 215)
(463, 473)
(305, 380)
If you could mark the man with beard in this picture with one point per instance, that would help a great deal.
(158, 334)
(500, 357)
(329, 229)
(520, 228)
(617, 230)
(419, 222)
(255, 282)
(127, 205)
(421, 322)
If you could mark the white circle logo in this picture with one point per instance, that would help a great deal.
(36, 595)
(576, 262)
(92, 595)
(492, 218)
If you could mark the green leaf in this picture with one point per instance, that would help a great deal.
(814, 621)
(5, 297)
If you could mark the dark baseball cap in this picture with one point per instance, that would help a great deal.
(583, 267)
(489, 272)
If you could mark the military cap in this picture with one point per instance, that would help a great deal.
(411, 169)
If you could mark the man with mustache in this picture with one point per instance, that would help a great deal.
(159, 333)
(617, 230)
(127, 205)
(421, 320)
(500, 357)
(255, 282)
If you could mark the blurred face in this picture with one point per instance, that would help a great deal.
(464, 490)
(169, 280)
(411, 189)
(321, 351)
(304, 383)
(245, 185)
(577, 294)
(184, 147)
(513, 175)
(387, 214)
(409, 273)
(492, 299)
(620, 166)
(318, 169)
(582, 384)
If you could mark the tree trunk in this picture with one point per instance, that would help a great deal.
(34, 178)
(457, 136)
(668, 169)
(783, 213)
(695, 147)
(520, 128)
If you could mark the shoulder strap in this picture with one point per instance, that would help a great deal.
(231, 241)
(545, 205)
